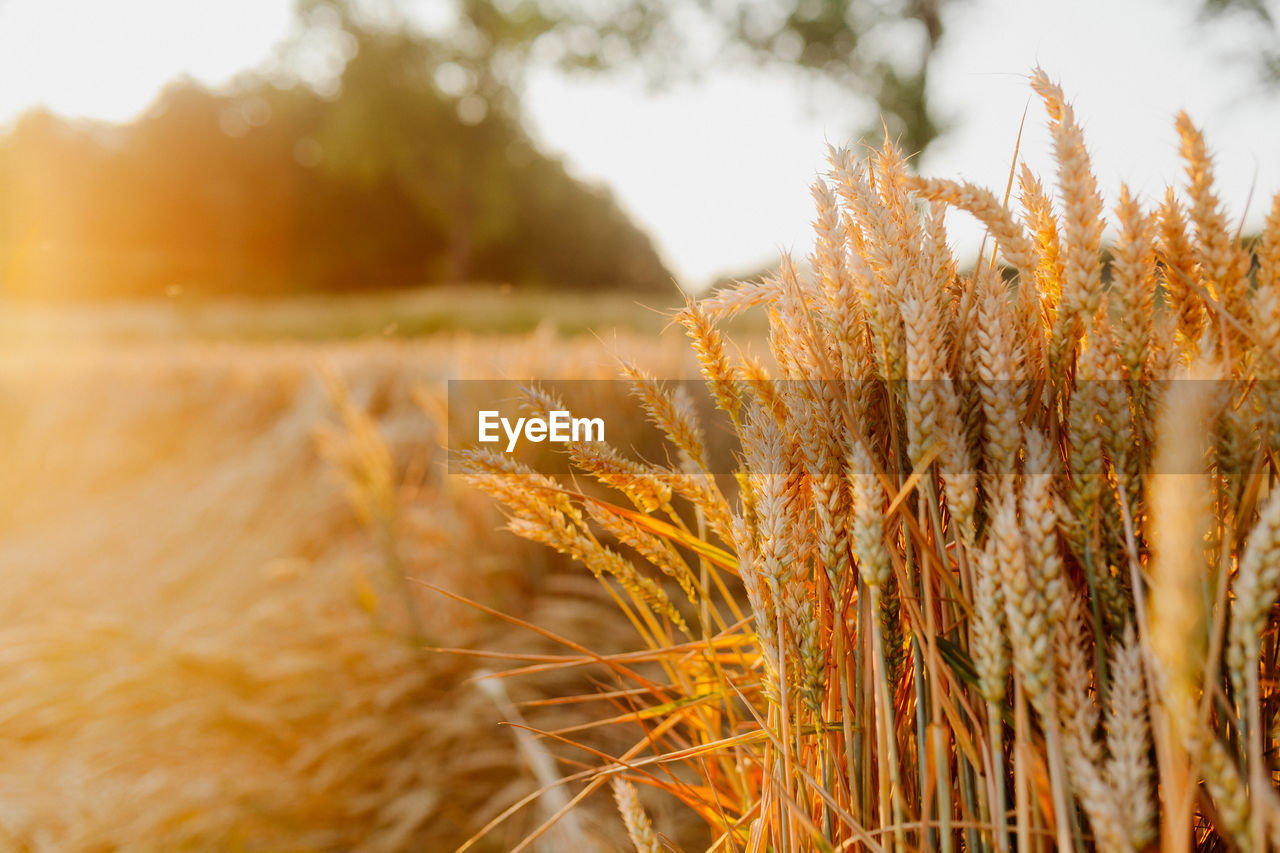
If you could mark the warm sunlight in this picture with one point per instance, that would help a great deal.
(592, 425)
(84, 58)
(106, 60)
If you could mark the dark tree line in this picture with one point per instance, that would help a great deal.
(417, 168)
(270, 190)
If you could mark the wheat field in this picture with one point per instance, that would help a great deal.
(976, 558)
(208, 645)
(998, 567)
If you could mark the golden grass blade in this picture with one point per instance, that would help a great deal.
(718, 556)
(918, 471)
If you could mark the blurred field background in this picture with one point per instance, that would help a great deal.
(226, 326)
(205, 644)
(478, 309)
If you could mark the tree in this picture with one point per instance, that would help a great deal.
(1265, 14)
(410, 112)
(390, 122)
(237, 193)
(871, 49)
(877, 49)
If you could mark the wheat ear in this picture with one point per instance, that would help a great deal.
(639, 828)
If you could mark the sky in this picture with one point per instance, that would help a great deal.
(718, 170)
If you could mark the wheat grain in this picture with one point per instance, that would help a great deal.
(639, 827)
(1133, 283)
(1223, 263)
(1257, 588)
(1081, 231)
(709, 345)
(1039, 218)
(986, 208)
(1129, 740)
(1181, 271)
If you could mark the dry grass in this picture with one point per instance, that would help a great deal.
(1009, 571)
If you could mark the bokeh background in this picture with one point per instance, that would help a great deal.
(243, 246)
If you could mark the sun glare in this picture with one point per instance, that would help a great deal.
(101, 60)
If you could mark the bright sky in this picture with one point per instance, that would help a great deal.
(718, 172)
(108, 59)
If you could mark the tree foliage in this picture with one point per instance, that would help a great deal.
(871, 49)
(415, 166)
(267, 189)
(1266, 14)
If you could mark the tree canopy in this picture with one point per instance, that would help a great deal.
(874, 51)
(415, 165)
(1266, 14)
(388, 181)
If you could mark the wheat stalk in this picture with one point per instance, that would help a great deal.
(950, 482)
